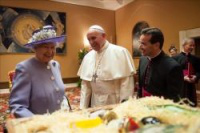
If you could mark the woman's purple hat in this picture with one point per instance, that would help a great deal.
(45, 35)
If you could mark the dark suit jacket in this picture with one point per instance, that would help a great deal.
(166, 77)
(189, 88)
(195, 61)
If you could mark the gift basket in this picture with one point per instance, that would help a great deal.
(145, 115)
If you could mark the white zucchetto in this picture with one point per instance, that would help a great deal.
(97, 28)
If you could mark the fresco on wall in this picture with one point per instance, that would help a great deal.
(136, 34)
(17, 25)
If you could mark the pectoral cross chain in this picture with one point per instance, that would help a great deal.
(95, 77)
(97, 66)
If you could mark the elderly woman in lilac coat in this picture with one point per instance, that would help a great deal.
(37, 86)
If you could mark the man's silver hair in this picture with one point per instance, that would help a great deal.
(97, 28)
(187, 40)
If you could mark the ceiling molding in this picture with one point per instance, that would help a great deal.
(103, 4)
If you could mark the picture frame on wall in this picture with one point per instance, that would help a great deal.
(18, 24)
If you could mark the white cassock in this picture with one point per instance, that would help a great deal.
(107, 76)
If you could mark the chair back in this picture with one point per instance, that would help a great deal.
(11, 75)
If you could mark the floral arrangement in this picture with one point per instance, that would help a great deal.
(46, 33)
(81, 54)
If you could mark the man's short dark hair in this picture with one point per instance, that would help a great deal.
(157, 35)
(172, 47)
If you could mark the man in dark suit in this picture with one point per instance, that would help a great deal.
(191, 69)
(159, 75)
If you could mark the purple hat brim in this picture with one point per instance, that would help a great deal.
(54, 40)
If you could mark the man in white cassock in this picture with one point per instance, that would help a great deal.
(106, 72)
